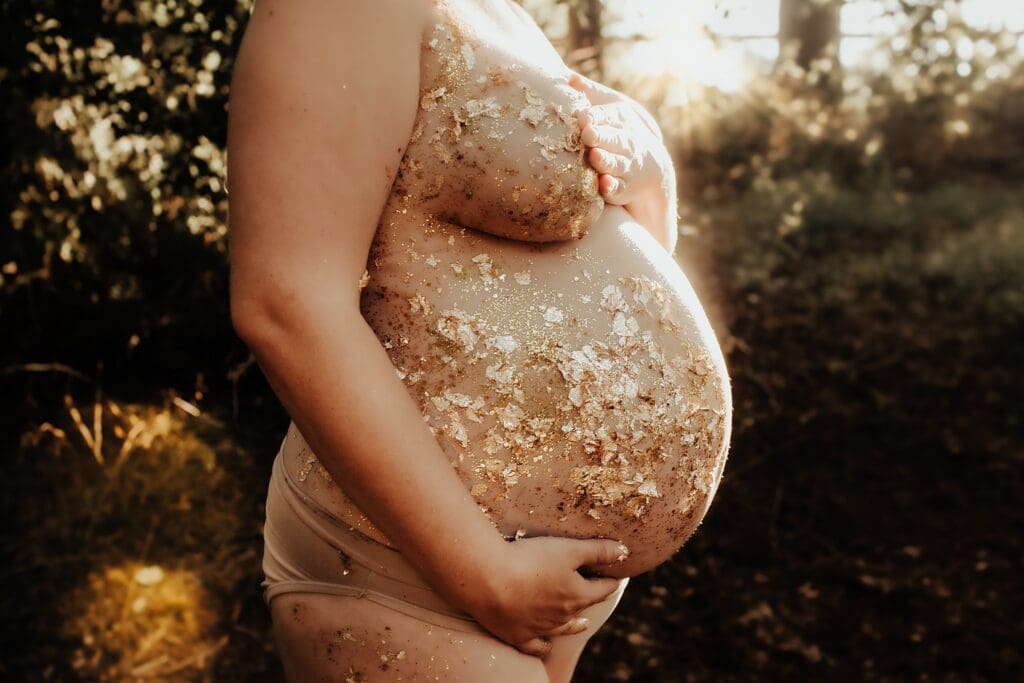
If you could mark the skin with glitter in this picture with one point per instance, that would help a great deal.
(558, 354)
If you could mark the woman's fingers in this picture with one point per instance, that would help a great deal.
(606, 137)
(538, 647)
(605, 115)
(604, 161)
(596, 92)
(593, 591)
(612, 189)
(569, 628)
(596, 551)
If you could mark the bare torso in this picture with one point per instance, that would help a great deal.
(556, 350)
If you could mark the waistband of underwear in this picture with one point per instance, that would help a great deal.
(354, 564)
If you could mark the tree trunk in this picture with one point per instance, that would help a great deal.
(585, 36)
(809, 30)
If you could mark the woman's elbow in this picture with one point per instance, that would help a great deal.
(251, 318)
(262, 315)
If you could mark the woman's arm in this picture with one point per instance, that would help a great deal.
(323, 101)
(628, 151)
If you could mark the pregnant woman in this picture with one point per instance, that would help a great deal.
(451, 258)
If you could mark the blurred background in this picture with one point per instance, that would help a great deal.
(852, 215)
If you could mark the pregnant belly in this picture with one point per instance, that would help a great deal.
(576, 387)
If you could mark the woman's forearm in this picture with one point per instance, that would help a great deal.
(338, 384)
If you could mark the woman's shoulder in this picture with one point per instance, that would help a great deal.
(315, 47)
(323, 96)
(385, 20)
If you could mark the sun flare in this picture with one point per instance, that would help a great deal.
(679, 47)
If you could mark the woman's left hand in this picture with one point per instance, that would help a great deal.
(624, 144)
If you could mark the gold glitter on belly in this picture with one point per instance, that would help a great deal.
(555, 379)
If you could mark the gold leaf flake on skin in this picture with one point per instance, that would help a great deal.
(364, 280)
(457, 430)
(643, 288)
(486, 266)
(648, 489)
(485, 107)
(553, 315)
(416, 135)
(623, 326)
(533, 112)
(472, 410)
(611, 298)
(510, 475)
(510, 415)
(430, 101)
(522, 277)
(503, 343)
(549, 146)
(501, 376)
(460, 327)
(418, 303)
(468, 56)
(460, 400)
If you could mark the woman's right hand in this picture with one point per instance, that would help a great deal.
(534, 591)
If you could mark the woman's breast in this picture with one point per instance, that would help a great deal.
(576, 387)
(496, 142)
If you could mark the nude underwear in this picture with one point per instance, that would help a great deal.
(309, 550)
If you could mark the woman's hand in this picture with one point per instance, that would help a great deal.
(625, 147)
(535, 592)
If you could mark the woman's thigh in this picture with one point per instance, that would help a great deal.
(338, 638)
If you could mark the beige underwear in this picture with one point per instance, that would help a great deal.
(308, 550)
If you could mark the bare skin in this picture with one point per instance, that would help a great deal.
(321, 192)
(559, 355)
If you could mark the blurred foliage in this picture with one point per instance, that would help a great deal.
(948, 103)
(113, 186)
